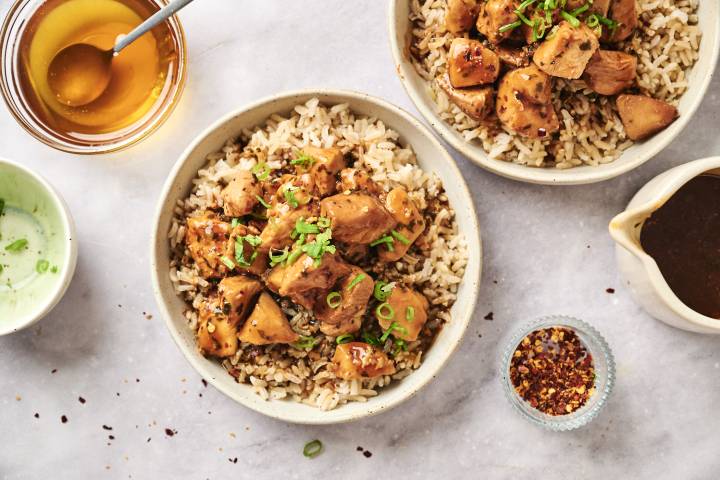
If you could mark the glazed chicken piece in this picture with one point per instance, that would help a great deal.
(241, 194)
(281, 222)
(410, 224)
(516, 57)
(644, 116)
(237, 295)
(476, 102)
(493, 15)
(355, 290)
(470, 63)
(357, 360)
(601, 7)
(460, 15)
(207, 239)
(304, 281)
(216, 335)
(567, 53)
(352, 179)
(610, 72)
(327, 163)
(524, 103)
(295, 190)
(356, 217)
(354, 252)
(408, 309)
(267, 324)
(626, 13)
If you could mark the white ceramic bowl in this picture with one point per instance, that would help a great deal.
(639, 269)
(431, 157)
(418, 90)
(40, 209)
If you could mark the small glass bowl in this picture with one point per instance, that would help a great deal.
(14, 25)
(603, 361)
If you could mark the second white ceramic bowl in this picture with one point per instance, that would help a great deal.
(431, 156)
(419, 91)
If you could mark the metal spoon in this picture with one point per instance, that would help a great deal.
(80, 73)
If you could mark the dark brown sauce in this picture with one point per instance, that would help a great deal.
(683, 237)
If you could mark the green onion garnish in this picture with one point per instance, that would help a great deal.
(538, 29)
(382, 290)
(393, 326)
(334, 299)
(410, 314)
(525, 4)
(305, 342)
(313, 449)
(303, 227)
(571, 20)
(611, 24)
(401, 345)
(253, 241)
(276, 258)
(370, 339)
(294, 255)
(385, 311)
(387, 240)
(509, 26)
(2, 206)
(234, 222)
(403, 239)
(1, 268)
(262, 201)
(261, 171)
(323, 222)
(320, 246)
(42, 266)
(290, 197)
(17, 245)
(592, 21)
(228, 263)
(580, 10)
(356, 280)
(523, 18)
(344, 338)
(303, 160)
(54, 269)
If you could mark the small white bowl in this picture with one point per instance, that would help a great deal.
(419, 92)
(640, 271)
(39, 209)
(431, 157)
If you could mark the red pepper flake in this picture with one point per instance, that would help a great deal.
(169, 432)
(610, 290)
(553, 371)
(81, 400)
(63, 419)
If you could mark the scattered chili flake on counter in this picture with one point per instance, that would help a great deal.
(553, 371)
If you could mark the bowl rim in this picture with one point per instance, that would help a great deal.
(347, 96)
(71, 252)
(544, 176)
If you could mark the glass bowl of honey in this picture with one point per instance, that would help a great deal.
(147, 77)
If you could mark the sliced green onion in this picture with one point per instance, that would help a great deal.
(356, 280)
(401, 345)
(523, 18)
(323, 222)
(387, 240)
(290, 197)
(303, 160)
(305, 342)
(1, 269)
(385, 311)
(2, 206)
(42, 266)
(344, 338)
(234, 222)
(334, 299)
(580, 10)
(611, 24)
(54, 269)
(294, 255)
(17, 245)
(303, 227)
(382, 290)
(276, 258)
(262, 201)
(403, 239)
(313, 449)
(261, 171)
(571, 20)
(393, 326)
(253, 240)
(538, 29)
(525, 4)
(509, 27)
(410, 314)
(370, 339)
(228, 263)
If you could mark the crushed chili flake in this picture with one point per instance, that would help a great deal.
(553, 371)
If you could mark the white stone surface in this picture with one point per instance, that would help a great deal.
(547, 251)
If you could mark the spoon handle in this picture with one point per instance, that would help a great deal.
(159, 17)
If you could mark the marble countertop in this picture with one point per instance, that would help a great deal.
(547, 251)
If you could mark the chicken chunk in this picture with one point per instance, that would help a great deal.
(626, 14)
(356, 217)
(470, 63)
(326, 163)
(567, 53)
(241, 194)
(477, 102)
(644, 116)
(460, 15)
(295, 190)
(208, 240)
(281, 222)
(524, 103)
(410, 224)
(600, 7)
(355, 290)
(610, 72)
(408, 310)
(352, 179)
(357, 360)
(304, 281)
(267, 324)
(516, 57)
(237, 295)
(493, 15)
(216, 335)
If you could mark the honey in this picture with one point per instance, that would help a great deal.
(140, 72)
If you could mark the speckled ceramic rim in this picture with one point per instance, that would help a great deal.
(435, 158)
(604, 370)
(417, 89)
(69, 263)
